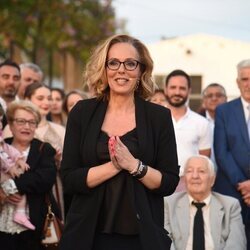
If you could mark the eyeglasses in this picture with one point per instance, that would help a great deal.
(114, 64)
(22, 122)
(217, 95)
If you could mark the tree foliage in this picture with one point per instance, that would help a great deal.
(40, 27)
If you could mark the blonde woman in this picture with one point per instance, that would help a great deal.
(119, 157)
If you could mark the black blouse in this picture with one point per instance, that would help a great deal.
(117, 212)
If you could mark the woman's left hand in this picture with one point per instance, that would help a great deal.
(123, 157)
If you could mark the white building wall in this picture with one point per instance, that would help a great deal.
(214, 58)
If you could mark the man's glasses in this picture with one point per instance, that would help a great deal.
(22, 122)
(217, 95)
(114, 64)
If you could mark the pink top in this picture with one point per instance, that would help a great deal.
(8, 156)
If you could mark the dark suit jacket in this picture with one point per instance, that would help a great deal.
(37, 181)
(232, 151)
(157, 148)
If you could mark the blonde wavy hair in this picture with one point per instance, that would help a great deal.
(95, 72)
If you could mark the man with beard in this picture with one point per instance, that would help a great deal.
(9, 80)
(192, 131)
(9, 83)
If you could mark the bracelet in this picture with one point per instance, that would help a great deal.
(141, 170)
(135, 169)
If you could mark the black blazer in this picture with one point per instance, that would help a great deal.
(157, 148)
(37, 181)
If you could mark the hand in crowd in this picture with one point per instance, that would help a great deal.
(14, 172)
(58, 155)
(19, 168)
(244, 189)
(2, 196)
(120, 155)
(13, 199)
(22, 165)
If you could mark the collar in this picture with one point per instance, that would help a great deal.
(244, 102)
(245, 105)
(208, 116)
(206, 201)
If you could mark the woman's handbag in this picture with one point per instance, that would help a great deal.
(52, 229)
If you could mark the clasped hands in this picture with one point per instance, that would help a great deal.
(120, 156)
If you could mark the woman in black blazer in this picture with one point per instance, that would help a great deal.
(119, 157)
(35, 183)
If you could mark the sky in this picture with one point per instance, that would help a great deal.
(152, 20)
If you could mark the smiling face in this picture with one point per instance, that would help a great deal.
(177, 91)
(23, 133)
(42, 99)
(199, 178)
(122, 81)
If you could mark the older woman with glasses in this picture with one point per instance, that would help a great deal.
(23, 118)
(40, 95)
(119, 157)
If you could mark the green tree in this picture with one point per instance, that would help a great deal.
(41, 28)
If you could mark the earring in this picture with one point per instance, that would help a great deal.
(137, 84)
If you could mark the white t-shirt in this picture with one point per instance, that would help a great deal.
(193, 134)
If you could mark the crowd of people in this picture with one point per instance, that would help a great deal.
(129, 166)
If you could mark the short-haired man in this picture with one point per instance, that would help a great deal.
(30, 73)
(9, 80)
(212, 96)
(223, 226)
(192, 131)
(232, 145)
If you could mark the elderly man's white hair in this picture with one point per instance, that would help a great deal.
(243, 64)
(209, 163)
(31, 66)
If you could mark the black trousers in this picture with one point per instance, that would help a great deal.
(26, 240)
(116, 242)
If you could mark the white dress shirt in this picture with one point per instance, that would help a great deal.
(209, 244)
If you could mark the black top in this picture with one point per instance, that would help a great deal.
(117, 212)
(156, 148)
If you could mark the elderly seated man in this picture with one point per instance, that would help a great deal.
(200, 219)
